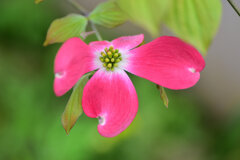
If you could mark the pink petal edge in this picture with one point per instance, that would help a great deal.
(99, 46)
(128, 42)
(73, 59)
(111, 97)
(167, 61)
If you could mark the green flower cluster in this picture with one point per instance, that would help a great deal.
(110, 58)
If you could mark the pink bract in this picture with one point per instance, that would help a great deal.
(110, 95)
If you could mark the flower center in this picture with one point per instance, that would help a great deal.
(110, 58)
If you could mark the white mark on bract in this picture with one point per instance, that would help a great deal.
(101, 120)
(193, 70)
(59, 74)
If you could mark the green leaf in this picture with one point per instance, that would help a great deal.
(74, 106)
(146, 13)
(108, 14)
(163, 95)
(64, 28)
(195, 21)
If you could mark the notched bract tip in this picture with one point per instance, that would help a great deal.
(59, 74)
(101, 120)
(193, 70)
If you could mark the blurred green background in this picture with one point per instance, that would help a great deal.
(201, 123)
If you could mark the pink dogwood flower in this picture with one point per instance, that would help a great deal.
(110, 95)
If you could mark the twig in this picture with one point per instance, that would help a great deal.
(234, 7)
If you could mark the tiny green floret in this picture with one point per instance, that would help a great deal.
(109, 65)
(110, 58)
(107, 60)
(101, 59)
(109, 53)
(118, 60)
(115, 55)
(103, 54)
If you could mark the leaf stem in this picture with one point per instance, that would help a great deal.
(234, 7)
(84, 12)
(94, 28)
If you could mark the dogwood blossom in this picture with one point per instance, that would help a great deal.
(110, 95)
